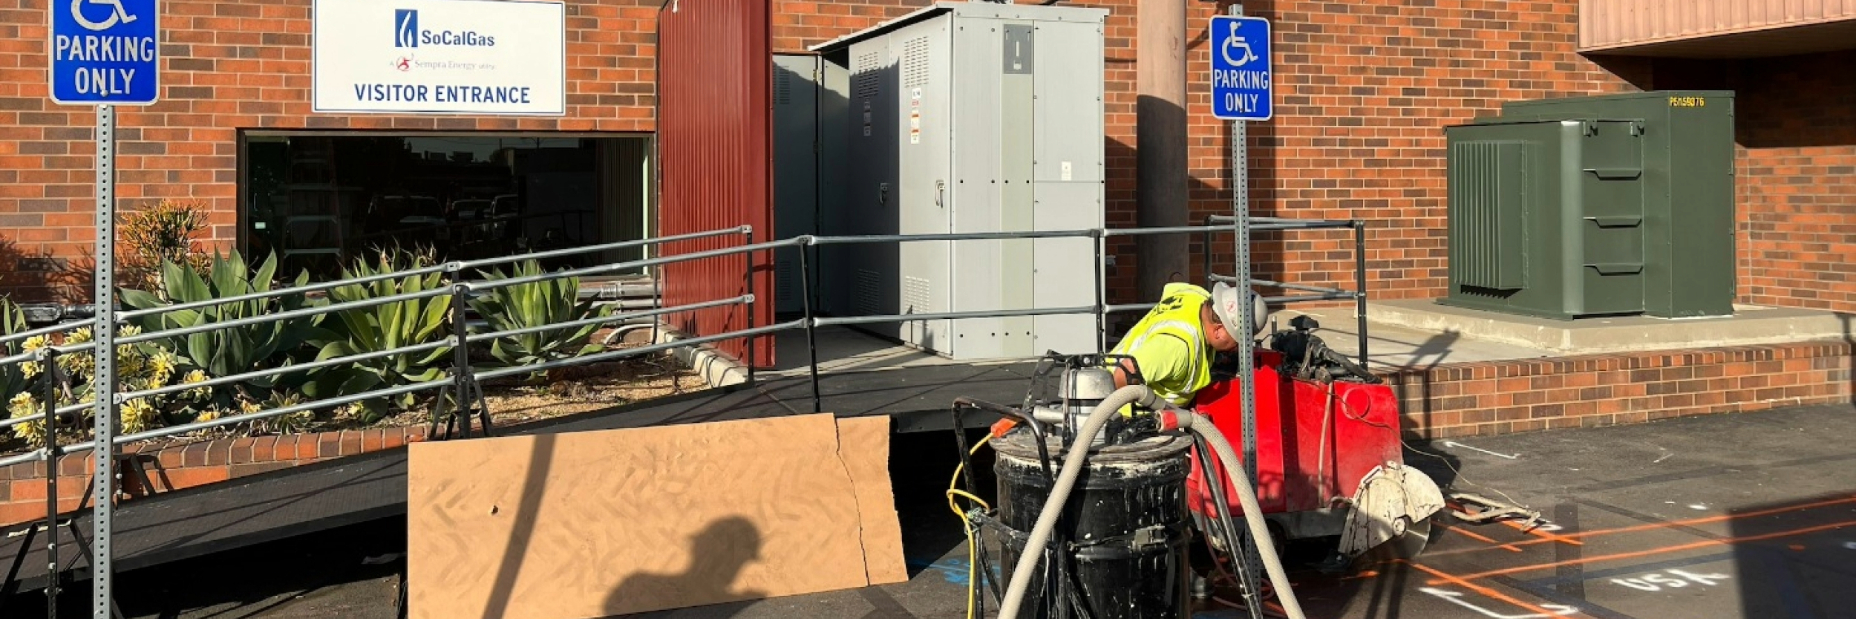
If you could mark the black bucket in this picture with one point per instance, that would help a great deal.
(1123, 534)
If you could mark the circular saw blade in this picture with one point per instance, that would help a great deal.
(1413, 542)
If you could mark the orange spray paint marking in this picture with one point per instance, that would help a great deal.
(1491, 593)
(1656, 551)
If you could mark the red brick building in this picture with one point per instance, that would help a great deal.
(1365, 89)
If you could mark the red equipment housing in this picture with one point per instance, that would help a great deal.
(1294, 472)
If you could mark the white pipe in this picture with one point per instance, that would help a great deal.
(1253, 513)
(1060, 491)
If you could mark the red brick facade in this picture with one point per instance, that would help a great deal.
(1365, 89)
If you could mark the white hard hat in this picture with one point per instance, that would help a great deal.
(1225, 303)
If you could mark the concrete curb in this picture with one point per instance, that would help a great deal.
(1751, 325)
(717, 369)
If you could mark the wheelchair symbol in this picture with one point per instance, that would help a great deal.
(119, 15)
(1234, 41)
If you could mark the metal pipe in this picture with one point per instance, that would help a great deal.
(282, 292)
(298, 313)
(805, 283)
(620, 266)
(1166, 230)
(631, 352)
(861, 320)
(480, 337)
(1359, 282)
(748, 236)
(1333, 296)
(555, 253)
(1128, 307)
(50, 394)
(1264, 282)
(1286, 221)
(21, 357)
(57, 328)
(262, 415)
(234, 378)
(953, 236)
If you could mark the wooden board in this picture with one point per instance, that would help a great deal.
(593, 524)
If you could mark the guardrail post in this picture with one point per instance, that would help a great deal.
(1101, 291)
(49, 363)
(805, 292)
(464, 397)
(747, 233)
(1359, 282)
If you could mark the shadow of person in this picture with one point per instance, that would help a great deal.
(717, 556)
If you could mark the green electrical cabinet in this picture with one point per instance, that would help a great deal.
(1595, 206)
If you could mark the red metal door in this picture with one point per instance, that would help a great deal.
(714, 110)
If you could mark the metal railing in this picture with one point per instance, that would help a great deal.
(462, 382)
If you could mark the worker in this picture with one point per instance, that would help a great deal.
(1174, 345)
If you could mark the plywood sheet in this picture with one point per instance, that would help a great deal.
(593, 524)
(864, 443)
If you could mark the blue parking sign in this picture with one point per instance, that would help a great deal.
(105, 52)
(1241, 68)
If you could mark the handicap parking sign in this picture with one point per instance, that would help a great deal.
(1241, 68)
(105, 52)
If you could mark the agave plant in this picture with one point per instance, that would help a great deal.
(238, 349)
(381, 328)
(14, 378)
(536, 304)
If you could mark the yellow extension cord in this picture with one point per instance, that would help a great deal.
(972, 551)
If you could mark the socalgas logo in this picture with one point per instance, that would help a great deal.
(407, 33)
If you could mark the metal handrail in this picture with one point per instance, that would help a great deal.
(482, 337)
(150, 336)
(32, 333)
(281, 292)
(556, 253)
(488, 284)
(632, 352)
(464, 376)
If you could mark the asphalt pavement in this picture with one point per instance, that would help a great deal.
(1744, 515)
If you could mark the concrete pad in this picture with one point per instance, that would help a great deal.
(1750, 325)
(1395, 348)
(845, 349)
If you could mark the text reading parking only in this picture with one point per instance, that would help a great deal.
(1242, 68)
(105, 52)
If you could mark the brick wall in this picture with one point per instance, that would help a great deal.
(231, 65)
(1539, 394)
(177, 467)
(1796, 120)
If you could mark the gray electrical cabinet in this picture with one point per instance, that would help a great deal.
(963, 118)
(808, 161)
(1595, 206)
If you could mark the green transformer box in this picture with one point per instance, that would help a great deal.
(1595, 206)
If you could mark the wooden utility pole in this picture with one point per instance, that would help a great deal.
(1160, 127)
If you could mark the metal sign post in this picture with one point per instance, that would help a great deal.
(1241, 91)
(104, 53)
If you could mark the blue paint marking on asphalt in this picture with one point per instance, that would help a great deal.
(954, 570)
(1634, 569)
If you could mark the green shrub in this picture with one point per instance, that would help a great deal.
(380, 328)
(231, 350)
(532, 305)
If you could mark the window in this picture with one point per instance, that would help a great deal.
(320, 201)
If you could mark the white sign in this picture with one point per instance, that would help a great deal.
(440, 57)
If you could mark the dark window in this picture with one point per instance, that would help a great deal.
(322, 201)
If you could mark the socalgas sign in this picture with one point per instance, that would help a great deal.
(440, 56)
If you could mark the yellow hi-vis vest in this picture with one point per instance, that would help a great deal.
(1175, 316)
